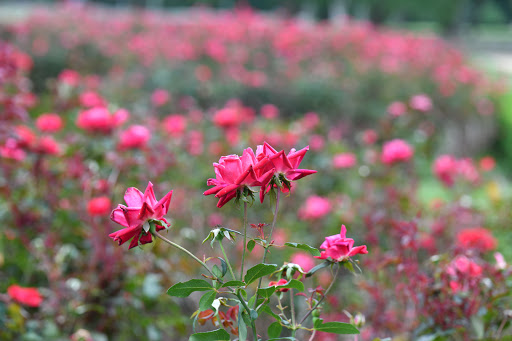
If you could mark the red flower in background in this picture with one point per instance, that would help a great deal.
(477, 238)
(141, 208)
(99, 206)
(282, 281)
(339, 248)
(26, 296)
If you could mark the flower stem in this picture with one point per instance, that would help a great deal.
(248, 310)
(269, 239)
(184, 250)
(227, 260)
(325, 294)
(245, 241)
(292, 308)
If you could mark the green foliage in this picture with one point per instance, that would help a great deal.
(335, 327)
(258, 271)
(216, 335)
(186, 288)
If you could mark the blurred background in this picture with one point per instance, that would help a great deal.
(406, 108)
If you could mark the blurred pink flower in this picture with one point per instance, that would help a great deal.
(445, 169)
(91, 99)
(136, 136)
(70, 77)
(140, 209)
(487, 163)
(99, 206)
(160, 97)
(305, 260)
(421, 102)
(49, 123)
(396, 151)
(269, 111)
(316, 142)
(315, 207)
(344, 160)
(47, 145)
(97, 119)
(175, 125)
(339, 248)
(397, 108)
(370, 136)
(477, 238)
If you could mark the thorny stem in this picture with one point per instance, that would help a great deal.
(325, 294)
(227, 260)
(184, 250)
(269, 238)
(245, 242)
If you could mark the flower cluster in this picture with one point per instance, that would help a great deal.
(265, 169)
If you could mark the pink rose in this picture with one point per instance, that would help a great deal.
(49, 123)
(97, 119)
(136, 136)
(141, 208)
(233, 173)
(159, 97)
(396, 151)
(397, 108)
(344, 160)
(421, 102)
(175, 125)
(339, 248)
(315, 207)
(304, 260)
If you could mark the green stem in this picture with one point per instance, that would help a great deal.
(292, 308)
(245, 241)
(248, 310)
(227, 260)
(269, 239)
(325, 294)
(184, 250)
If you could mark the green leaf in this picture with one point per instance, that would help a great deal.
(242, 326)
(274, 330)
(318, 267)
(266, 309)
(217, 272)
(305, 247)
(258, 271)
(250, 245)
(335, 327)
(292, 284)
(215, 335)
(233, 284)
(206, 301)
(185, 289)
(349, 266)
(224, 266)
(266, 292)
